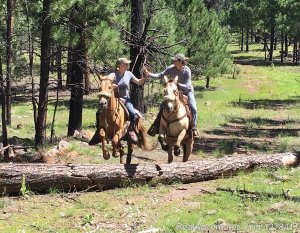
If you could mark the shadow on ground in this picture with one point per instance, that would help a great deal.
(242, 135)
(268, 103)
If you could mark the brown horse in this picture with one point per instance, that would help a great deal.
(175, 124)
(114, 122)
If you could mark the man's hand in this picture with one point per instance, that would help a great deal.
(146, 71)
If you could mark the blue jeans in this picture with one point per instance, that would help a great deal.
(193, 106)
(130, 109)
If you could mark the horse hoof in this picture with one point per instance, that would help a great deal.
(115, 154)
(176, 151)
(165, 147)
(106, 156)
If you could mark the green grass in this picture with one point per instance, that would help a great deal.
(237, 211)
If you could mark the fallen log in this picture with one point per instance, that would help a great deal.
(41, 177)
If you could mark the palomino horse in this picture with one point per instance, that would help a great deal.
(175, 124)
(114, 122)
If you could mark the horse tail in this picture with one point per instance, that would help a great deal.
(143, 141)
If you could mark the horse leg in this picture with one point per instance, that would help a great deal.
(176, 150)
(161, 137)
(170, 154)
(106, 154)
(187, 148)
(130, 150)
(180, 137)
(121, 151)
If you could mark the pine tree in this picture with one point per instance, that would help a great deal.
(207, 44)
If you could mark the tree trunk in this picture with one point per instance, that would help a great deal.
(247, 40)
(286, 45)
(77, 77)
(30, 57)
(282, 47)
(295, 50)
(137, 57)
(59, 68)
(207, 82)
(86, 70)
(265, 45)
(40, 135)
(242, 41)
(9, 56)
(272, 40)
(252, 35)
(69, 65)
(3, 112)
(42, 177)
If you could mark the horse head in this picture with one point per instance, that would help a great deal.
(106, 90)
(170, 94)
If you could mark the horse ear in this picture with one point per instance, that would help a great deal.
(112, 77)
(176, 79)
(166, 79)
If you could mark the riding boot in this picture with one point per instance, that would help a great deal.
(163, 143)
(196, 134)
(132, 132)
(154, 129)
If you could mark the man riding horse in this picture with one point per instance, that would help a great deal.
(180, 69)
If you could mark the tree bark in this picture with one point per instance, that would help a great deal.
(40, 135)
(9, 55)
(136, 55)
(77, 77)
(42, 177)
(3, 112)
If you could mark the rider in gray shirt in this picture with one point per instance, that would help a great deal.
(180, 69)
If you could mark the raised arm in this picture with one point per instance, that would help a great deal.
(155, 75)
(140, 81)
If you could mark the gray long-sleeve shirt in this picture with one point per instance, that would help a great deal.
(184, 77)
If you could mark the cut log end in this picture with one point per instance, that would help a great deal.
(290, 160)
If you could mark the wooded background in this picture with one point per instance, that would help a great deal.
(58, 44)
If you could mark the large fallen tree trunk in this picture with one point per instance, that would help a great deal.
(42, 177)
